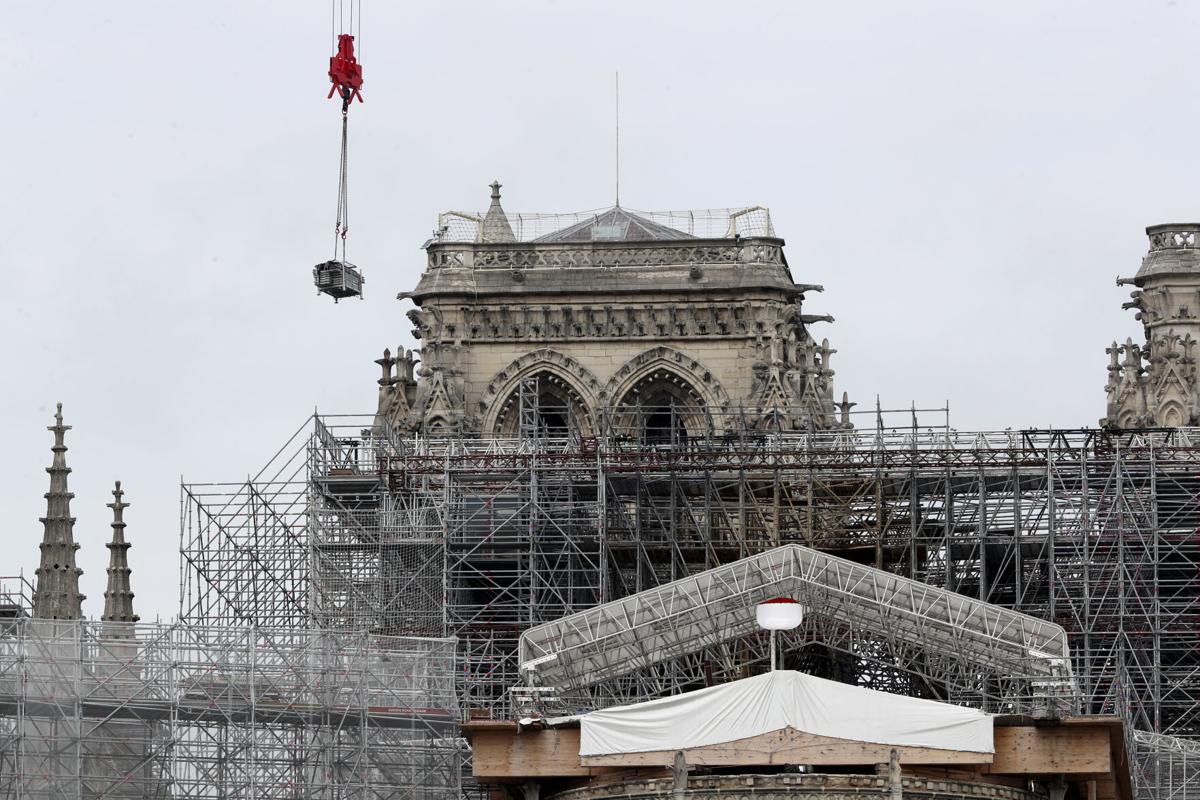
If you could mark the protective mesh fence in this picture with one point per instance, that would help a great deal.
(709, 223)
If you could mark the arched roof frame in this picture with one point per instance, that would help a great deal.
(976, 648)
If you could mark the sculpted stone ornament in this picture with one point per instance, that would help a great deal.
(844, 407)
(396, 392)
(1156, 384)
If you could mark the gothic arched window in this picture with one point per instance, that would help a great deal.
(543, 405)
(662, 408)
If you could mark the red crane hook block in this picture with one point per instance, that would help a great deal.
(345, 72)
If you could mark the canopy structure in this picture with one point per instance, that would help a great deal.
(960, 649)
(779, 701)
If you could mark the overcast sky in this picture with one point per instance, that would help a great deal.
(966, 182)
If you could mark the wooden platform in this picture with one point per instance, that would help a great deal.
(1086, 751)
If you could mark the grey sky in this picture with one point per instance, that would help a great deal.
(965, 180)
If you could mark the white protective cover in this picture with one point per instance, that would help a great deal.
(778, 700)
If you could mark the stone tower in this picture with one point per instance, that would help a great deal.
(613, 324)
(1152, 383)
(57, 593)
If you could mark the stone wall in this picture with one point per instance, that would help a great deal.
(715, 324)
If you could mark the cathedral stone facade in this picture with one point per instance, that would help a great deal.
(614, 325)
(1153, 383)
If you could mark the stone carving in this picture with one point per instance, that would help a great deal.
(440, 395)
(396, 391)
(1164, 239)
(844, 407)
(488, 323)
(794, 374)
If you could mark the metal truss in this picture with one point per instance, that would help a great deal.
(182, 711)
(960, 649)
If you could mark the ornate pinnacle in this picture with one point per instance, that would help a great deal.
(845, 407)
(495, 226)
(386, 364)
(118, 598)
(57, 594)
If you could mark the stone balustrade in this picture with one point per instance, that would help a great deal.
(525, 255)
(1173, 236)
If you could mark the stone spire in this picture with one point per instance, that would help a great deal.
(495, 227)
(118, 599)
(57, 594)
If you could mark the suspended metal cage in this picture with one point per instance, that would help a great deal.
(338, 279)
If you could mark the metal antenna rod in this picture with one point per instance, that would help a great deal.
(617, 117)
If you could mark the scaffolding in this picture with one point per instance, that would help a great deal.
(314, 539)
(93, 709)
(1169, 764)
(16, 597)
(355, 527)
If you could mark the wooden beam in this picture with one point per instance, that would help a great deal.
(790, 746)
(1081, 751)
(1066, 750)
(509, 755)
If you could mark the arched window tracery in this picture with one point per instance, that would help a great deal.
(662, 408)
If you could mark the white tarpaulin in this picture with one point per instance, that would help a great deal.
(779, 700)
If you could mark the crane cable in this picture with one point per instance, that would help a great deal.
(342, 226)
(346, 75)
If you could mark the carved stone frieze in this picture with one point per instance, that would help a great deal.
(572, 256)
(552, 322)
